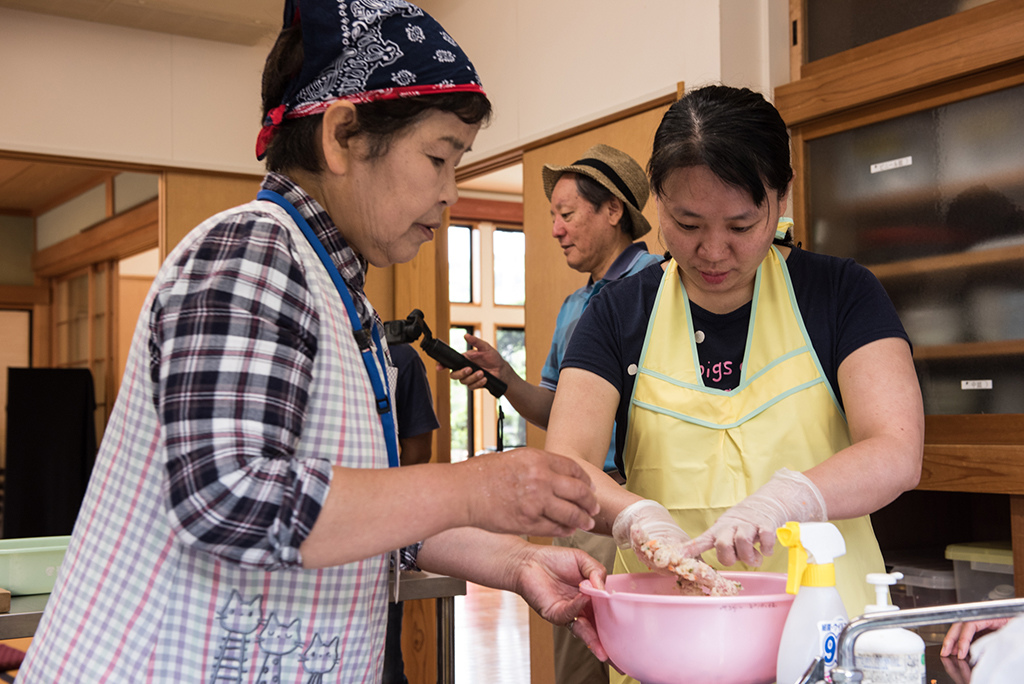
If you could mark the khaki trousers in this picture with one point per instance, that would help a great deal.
(574, 663)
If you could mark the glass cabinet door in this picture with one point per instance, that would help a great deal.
(933, 203)
(837, 25)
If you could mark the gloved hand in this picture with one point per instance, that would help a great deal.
(648, 521)
(789, 495)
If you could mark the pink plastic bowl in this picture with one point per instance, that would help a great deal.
(659, 637)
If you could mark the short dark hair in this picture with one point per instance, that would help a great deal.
(597, 194)
(734, 132)
(296, 142)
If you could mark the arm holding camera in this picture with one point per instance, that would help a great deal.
(409, 330)
(531, 401)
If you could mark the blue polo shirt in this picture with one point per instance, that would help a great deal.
(633, 259)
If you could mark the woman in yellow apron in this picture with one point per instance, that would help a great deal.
(752, 382)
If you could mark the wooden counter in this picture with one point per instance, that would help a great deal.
(24, 616)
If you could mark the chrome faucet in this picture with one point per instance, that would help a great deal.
(845, 670)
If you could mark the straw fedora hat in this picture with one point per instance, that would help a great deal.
(616, 171)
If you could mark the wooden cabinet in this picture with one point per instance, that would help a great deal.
(933, 202)
(907, 155)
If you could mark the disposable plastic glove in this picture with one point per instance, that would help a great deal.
(789, 495)
(645, 521)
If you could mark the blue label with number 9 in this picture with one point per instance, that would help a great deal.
(828, 640)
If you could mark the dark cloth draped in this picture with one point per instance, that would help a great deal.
(51, 448)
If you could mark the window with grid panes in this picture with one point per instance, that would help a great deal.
(486, 280)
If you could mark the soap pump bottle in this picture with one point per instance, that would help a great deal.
(817, 615)
(888, 656)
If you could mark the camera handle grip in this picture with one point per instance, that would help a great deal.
(449, 358)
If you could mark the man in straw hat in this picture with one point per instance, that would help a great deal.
(596, 205)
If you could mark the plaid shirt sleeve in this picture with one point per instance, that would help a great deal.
(232, 343)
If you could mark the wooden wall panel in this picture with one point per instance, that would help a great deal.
(15, 352)
(187, 198)
(131, 293)
(380, 290)
(23, 296)
(420, 284)
(37, 300)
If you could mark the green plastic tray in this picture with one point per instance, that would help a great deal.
(29, 565)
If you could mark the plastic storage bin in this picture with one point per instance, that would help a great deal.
(983, 570)
(925, 583)
(29, 565)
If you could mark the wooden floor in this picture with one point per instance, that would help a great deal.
(492, 637)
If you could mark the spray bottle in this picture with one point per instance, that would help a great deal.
(817, 615)
(889, 656)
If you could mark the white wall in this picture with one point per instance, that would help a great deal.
(92, 91)
(82, 89)
(550, 64)
(71, 217)
(755, 41)
(132, 189)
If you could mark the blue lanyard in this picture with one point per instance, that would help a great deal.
(387, 416)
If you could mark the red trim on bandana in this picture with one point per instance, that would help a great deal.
(278, 114)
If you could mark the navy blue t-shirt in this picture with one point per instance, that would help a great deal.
(414, 405)
(843, 306)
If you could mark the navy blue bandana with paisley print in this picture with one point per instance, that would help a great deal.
(367, 50)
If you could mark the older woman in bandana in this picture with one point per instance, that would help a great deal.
(246, 504)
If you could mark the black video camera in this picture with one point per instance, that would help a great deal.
(409, 330)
